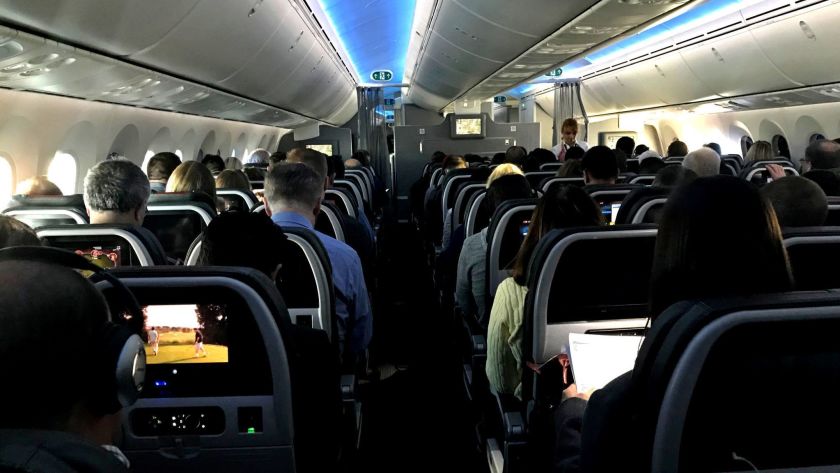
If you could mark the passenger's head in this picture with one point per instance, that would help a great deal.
(338, 166)
(715, 147)
(651, 165)
(639, 150)
(362, 156)
(498, 158)
(571, 168)
(717, 237)
(294, 187)
(438, 157)
(161, 165)
(13, 232)
(568, 131)
(276, 158)
(192, 176)
(626, 144)
(621, 160)
(600, 166)
(231, 232)
(504, 169)
(116, 192)
(509, 187)
(356, 164)
(822, 154)
(314, 159)
(259, 157)
(677, 149)
(38, 186)
(230, 179)
(564, 207)
(798, 202)
(704, 162)
(473, 159)
(214, 163)
(575, 153)
(673, 176)
(827, 180)
(759, 151)
(544, 156)
(453, 161)
(516, 155)
(52, 319)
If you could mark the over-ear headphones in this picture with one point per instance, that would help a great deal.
(121, 355)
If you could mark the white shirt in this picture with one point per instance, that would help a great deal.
(582, 144)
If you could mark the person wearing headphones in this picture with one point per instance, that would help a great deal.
(67, 370)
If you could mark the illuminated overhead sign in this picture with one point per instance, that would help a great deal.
(499, 99)
(381, 76)
(555, 73)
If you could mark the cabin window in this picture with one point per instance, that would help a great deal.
(816, 137)
(62, 172)
(246, 155)
(746, 144)
(180, 154)
(780, 146)
(146, 159)
(7, 181)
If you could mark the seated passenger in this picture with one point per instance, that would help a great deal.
(568, 139)
(673, 176)
(600, 166)
(822, 154)
(293, 193)
(38, 186)
(276, 158)
(192, 176)
(214, 163)
(626, 145)
(353, 163)
(760, 151)
(543, 156)
(338, 167)
(677, 149)
(827, 180)
(432, 202)
(566, 206)
(159, 168)
(689, 263)
(116, 192)
(798, 202)
(621, 160)
(497, 158)
(639, 150)
(704, 162)
(503, 170)
(575, 153)
(714, 146)
(651, 165)
(230, 179)
(13, 232)
(58, 417)
(258, 157)
(469, 283)
(572, 167)
(516, 155)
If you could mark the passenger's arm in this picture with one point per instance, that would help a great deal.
(776, 172)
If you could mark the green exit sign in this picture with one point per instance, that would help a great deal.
(499, 99)
(555, 73)
(381, 76)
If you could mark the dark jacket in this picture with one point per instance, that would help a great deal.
(40, 451)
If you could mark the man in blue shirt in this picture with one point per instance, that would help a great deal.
(293, 194)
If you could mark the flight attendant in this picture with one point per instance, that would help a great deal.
(568, 135)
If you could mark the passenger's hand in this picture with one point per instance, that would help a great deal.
(776, 172)
(572, 391)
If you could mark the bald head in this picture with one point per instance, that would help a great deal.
(352, 164)
(704, 162)
(50, 316)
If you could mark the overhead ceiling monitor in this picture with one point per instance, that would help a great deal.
(468, 126)
(323, 148)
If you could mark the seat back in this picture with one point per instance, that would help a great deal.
(642, 205)
(551, 167)
(107, 245)
(465, 193)
(535, 178)
(759, 175)
(477, 214)
(587, 280)
(643, 179)
(748, 345)
(177, 219)
(504, 237)
(230, 407)
(330, 223)
(833, 218)
(341, 199)
(351, 188)
(811, 250)
(455, 177)
(364, 180)
(547, 185)
(610, 197)
(237, 199)
(48, 210)
(437, 175)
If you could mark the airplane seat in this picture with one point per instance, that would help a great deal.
(642, 205)
(674, 160)
(112, 245)
(356, 178)
(462, 201)
(758, 174)
(352, 189)
(745, 346)
(505, 235)
(437, 175)
(633, 165)
(547, 185)
(811, 250)
(625, 177)
(224, 406)
(553, 167)
(342, 200)
(610, 195)
(833, 217)
(48, 210)
(238, 199)
(477, 216)
(643, 179)
(330, 222)
(455, 177)
(535, 178)
(177, 219)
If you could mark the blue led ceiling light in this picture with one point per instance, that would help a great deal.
(375, 33)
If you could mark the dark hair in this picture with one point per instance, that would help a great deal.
(823, 154)
(516, 155)
(453, 161)
(243, 239)
(276, 158)
(438, 156)
(338, 166)
(507, 187)
(621, 160)
(798, 202)
(651, 165)
(573, 168)
(600, 162)
(626, 144)
(827, 180)
(717, 237)
(214, 163)
(161, 165)
(677, 148)
(532, 164)
(566, 206)
(544, 156)
(673, 175)
(575, 153)
(362, 156)
(13, 232)
(473, 158)
(715, 147)
(498, 158)
(51, 318)
(640, 149)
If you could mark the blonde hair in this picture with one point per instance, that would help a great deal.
(230, 179)
(760, 151)
(192, 176)
(503, 170)
(38, 185)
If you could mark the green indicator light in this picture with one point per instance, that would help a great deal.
(252, 430)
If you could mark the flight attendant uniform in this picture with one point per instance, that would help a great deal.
(560, 150)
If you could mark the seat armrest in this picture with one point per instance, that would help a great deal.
(478, 344)
(348, 387)
(513, 421)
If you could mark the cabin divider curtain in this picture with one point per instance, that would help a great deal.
(369, 132)
(568, 103)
